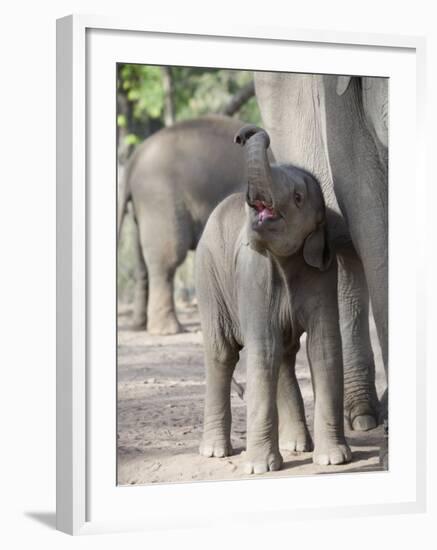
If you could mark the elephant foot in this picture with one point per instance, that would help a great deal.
(215, 447)
(138, 326)
(362, 417)
(139, 317)
(364, 423)
(295, 438)
(383, 450)
(330, 452)
(383, 409)
(164, 327)
(260, 463)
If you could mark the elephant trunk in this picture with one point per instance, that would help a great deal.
(259, 177)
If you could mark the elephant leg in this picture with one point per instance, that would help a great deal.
(262, 414)
(161, 314)
(139, 320)
(325, 359)
(360, 398)
(221, 356)
(165, 245)
(378, 287)
(216, 439)
(361, 188)
(375, 262)
(293, 431)
(373, 254)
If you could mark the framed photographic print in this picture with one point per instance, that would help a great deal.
(234, 208)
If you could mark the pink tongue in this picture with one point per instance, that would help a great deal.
(264, 214)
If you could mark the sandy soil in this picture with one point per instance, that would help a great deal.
(160, 408)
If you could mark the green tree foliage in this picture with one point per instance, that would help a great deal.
(194, 92)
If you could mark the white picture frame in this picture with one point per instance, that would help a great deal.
(81, 347)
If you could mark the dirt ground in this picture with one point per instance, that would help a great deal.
(160, 409)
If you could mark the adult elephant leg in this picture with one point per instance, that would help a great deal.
(361, 188)
(161, 314)
(370, 240)
(360, 398)
(139, 320)
(164, 247)
(293, 431)
(378, 288)
(366, 212)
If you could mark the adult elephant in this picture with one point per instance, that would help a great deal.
(175, 179)
(336, 128)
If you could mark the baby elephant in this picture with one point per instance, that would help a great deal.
(265, 274)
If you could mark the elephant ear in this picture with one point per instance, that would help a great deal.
(316, 250)
(343, 84)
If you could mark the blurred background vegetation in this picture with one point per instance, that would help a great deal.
(151, 97)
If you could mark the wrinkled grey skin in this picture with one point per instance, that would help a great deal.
(175, 179)
(337, 128)
(261, 282)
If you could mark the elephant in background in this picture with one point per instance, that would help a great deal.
(174, 180)
(265, 273)
(336, 127)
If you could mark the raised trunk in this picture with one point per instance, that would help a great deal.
(259, 177)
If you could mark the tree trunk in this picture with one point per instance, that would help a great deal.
(167, 82)
(239, 99)
(123, 109)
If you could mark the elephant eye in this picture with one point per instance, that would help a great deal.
(298, 199)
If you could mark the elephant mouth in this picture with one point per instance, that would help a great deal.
(264, 211)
